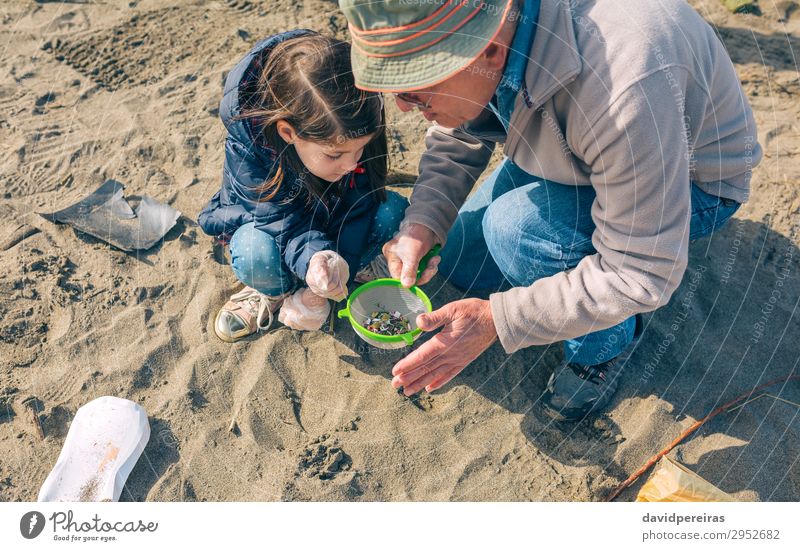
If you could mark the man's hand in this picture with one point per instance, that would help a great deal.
(468, 330)
(405, 250)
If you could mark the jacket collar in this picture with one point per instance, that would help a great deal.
(555, 60)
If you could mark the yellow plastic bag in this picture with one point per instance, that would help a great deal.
(674, 482)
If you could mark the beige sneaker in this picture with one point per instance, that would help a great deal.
(247, 312)
(376, 269)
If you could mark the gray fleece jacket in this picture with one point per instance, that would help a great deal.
(635, 98)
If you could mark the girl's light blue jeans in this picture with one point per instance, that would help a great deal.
(257, 262)
(555, 228)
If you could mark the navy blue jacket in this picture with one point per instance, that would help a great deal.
(339, 223)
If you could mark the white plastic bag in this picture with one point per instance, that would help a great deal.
(104, 441)
(304, 310)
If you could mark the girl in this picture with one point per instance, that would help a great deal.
(302, 196)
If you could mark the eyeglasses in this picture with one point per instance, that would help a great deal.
(408, 98)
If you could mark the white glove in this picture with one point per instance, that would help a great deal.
(327, 275)
(304, 310)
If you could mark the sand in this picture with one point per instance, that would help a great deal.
(129, 90)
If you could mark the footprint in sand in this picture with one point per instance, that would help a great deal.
(323, 460)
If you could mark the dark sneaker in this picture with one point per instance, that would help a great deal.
(575, 391)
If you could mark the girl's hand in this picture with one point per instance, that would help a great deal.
(304, 310)
(327, 275)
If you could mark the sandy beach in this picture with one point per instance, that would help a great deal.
(130, 90)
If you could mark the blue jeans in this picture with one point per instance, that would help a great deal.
(257, 262)
(555, 232)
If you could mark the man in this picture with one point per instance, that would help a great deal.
(626, 134)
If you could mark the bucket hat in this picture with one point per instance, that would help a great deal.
(406, 45)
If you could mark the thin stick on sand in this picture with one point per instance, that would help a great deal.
(721, 409)
(15, 237)
(29, 407)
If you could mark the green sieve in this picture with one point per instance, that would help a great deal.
(388, 294)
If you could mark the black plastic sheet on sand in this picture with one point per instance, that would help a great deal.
(106, 215)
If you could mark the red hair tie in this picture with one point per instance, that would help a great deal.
(359, 169)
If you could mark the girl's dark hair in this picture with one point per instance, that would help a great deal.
(308, 82)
